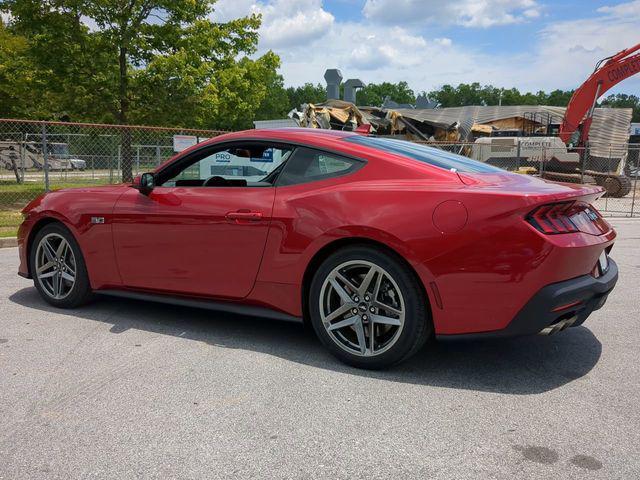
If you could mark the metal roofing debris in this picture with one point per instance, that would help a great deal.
(336, 114)
(610, 126)
(609, 131)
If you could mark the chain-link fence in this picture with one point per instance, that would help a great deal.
(39, 156)
(616, 168)
(36, 157)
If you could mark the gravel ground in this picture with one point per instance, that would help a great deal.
(129, 389)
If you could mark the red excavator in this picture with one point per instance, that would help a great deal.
(608, 72)
(568, 137)
(579, 114)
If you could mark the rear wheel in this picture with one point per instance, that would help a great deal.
(58, 268)
(367, 308)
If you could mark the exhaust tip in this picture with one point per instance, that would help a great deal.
(558, 326)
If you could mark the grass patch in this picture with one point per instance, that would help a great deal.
(16, 195)
(9, 221)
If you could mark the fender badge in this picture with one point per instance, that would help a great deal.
(97, 220)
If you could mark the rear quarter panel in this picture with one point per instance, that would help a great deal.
(485, 268)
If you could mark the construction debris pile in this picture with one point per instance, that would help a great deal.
(511, 137)
(462, 124)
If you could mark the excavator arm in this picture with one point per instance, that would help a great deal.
(608, 72)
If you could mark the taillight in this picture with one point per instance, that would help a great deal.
(567, 217)
(552, 218)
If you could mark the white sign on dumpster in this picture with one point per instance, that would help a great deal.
(182, 142)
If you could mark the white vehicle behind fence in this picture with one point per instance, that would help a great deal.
(549, 157)
(504, 151)
(30, 156)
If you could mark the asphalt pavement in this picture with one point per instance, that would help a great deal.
(130, 389)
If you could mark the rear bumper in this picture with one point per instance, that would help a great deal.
(580, 296)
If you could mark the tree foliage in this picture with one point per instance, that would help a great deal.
(16, 73)
(374, 94)
(307, 93)
(140, 61)
(476, 94)
(165, 62)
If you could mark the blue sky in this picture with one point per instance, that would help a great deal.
(529, 44)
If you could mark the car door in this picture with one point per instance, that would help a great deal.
(202, 229)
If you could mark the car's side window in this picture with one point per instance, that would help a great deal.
(308, 165)
(242, 165)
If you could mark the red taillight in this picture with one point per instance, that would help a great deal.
(553, 218)
(568, 217)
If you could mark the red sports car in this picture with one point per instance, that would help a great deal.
(378, 243)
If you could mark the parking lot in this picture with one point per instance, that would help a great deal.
(125, 389)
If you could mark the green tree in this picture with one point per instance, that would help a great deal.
(107, 70)
(16, 72)
(245, 89)
(307, 93)
(71, 73)
(476, 94)
(558, 98)
(374, 94)
(276, 101)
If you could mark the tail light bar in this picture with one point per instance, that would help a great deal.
(567, 217)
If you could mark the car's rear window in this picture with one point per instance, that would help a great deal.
(422, 153)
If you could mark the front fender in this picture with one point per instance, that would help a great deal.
(75, 208)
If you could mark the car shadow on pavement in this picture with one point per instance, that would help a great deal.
(520, 366)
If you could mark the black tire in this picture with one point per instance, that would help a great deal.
(417, 327)
(617, 186)
(80, 292)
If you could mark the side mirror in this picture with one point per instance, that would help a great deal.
(144, 183)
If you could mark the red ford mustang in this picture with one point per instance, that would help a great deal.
(377, 243)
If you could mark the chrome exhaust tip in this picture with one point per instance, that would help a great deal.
(558, 326)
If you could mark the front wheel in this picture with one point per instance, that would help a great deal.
(368, 308)
(58, 268)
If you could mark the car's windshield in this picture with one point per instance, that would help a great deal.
(422, 153)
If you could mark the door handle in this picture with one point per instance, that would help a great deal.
(244, 215)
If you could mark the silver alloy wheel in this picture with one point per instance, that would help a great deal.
(362, 308)
(55, 266)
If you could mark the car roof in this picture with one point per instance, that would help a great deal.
(288, 133)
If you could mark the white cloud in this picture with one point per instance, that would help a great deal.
(443, 41)
(309, 40)
(392, 47)
(304, 22)
(569, 50)
(284, 22)
(379, 54)
(622, 10)
(468, 13)
(225, 10)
